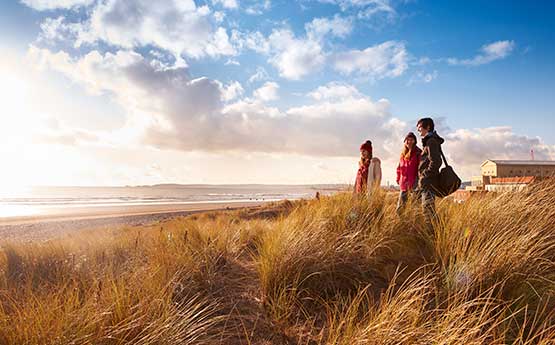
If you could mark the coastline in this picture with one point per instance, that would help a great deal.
(49, 226)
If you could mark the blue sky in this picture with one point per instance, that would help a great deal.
(275, 82)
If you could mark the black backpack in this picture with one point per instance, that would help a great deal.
(447, 182)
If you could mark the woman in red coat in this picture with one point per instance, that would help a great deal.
(369, 173)
(407, 170)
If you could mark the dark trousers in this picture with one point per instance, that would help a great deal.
(428, 205)
(404, 196)
(402, 201)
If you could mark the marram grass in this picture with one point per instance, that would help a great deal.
(340, 270)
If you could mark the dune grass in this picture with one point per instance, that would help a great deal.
(339, 270)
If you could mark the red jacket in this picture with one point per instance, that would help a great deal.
(362, 177)
(407, 171)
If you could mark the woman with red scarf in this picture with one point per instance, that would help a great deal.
(407, 170)
(369, 171)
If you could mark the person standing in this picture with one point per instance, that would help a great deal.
(369, 174)
(407, 170)
(428, 168)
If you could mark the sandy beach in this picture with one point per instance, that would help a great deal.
(61, 221)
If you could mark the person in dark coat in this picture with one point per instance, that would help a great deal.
(430, 163)
(407, 170)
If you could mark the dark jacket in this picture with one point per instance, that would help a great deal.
(430, 160)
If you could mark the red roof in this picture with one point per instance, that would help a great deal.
(513, 180)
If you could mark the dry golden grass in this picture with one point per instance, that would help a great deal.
(340, 270)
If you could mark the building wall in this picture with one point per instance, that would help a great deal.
(489, 169)
(525, 170)
(505, 187)
(477, 181)
(514, 170)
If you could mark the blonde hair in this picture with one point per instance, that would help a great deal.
(406, 153)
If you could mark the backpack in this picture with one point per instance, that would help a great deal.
(447, 182)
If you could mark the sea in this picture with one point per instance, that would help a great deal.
(33, 201)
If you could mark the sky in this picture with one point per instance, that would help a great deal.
(121, 92)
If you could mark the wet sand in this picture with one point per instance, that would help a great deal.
(64, 221)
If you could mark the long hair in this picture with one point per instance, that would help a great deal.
(364, 161)
(406, 153)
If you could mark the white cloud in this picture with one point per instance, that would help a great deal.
(58, 29)
(226, 3)
(388, 59)
(152, 95)
(219, 16)
(334, 91)
(259, 7)
(298, 56)
(473, 146)
(295, 57)
(337, 26)
(423, 77)
(268, 92)
(170, 110)
(366, 9)
(253, 40)
(259, 75)
(177, 26)
(43, 5)
(488, 53)
(232, 62)
(51, 29)
(232, 91)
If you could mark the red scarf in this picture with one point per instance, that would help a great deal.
(362, 176)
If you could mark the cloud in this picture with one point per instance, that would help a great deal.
(473, 146)
(337, 26)
(226, 3)
(254, 41)
(385, 60)
(44, 5)
(259, 7)
(70, 137)
(295, 57)
(232, 91)
(366, 9)
(169, 109)
(54, 30)
(488, 53)
(268, 92)
(259, 75)
(177, 26)
(423, 77)
(334, 91)
(232, 62)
